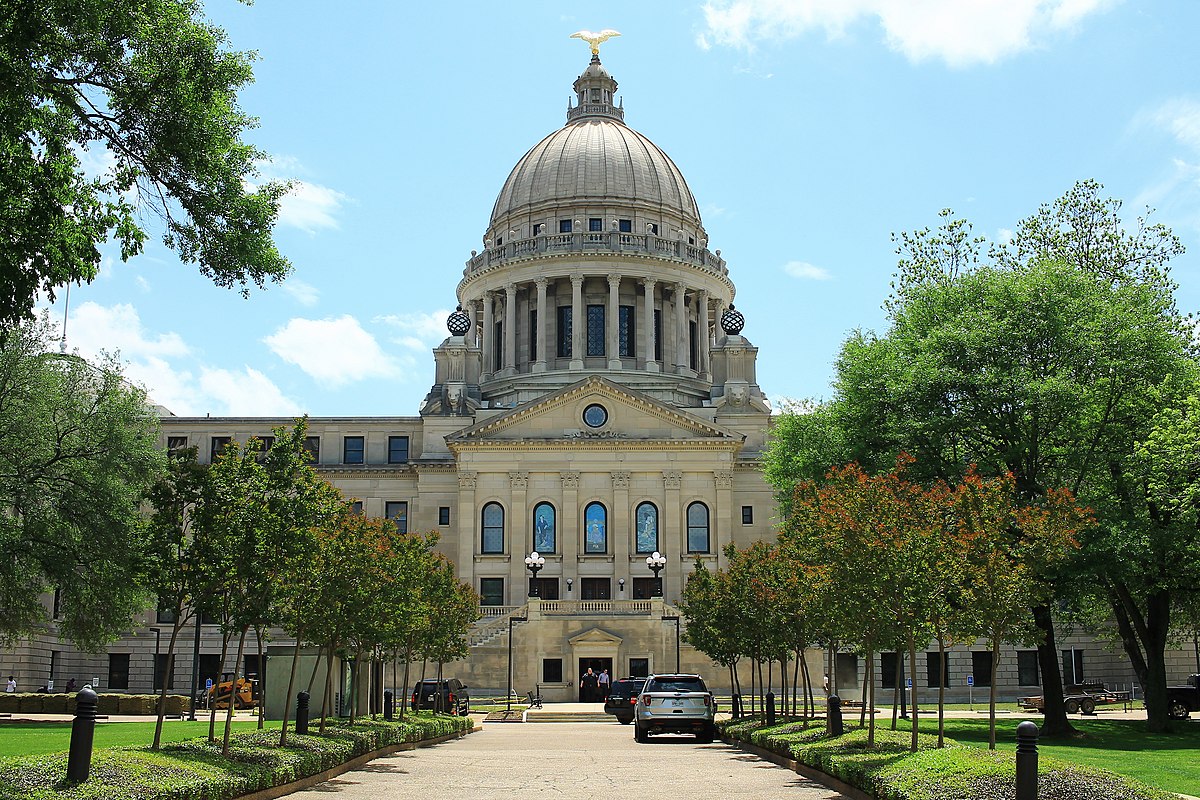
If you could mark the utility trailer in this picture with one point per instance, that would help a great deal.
(1080, 698)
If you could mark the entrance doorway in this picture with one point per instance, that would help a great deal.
(595, 589)
(588, 694)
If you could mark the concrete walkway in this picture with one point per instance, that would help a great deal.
(569, 761)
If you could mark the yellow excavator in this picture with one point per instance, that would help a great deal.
(243, 697)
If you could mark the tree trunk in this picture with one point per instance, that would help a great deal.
(941, 692)
(992, 694)
(869, 695)
(862, 715)
(162, 690)
(407, 664)
(327, 694)
(287, 698)
(898, 688)
(233, 692)
(312, 676)
(212, 706)
(1144, 637)
(796, 681)
(262, 679)
(912, 668)
(1055, 723)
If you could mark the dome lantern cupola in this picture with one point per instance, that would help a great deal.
(595, 93)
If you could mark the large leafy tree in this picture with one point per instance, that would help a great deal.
(78, 453)
(150, 89)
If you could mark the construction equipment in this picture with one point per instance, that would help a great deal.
(218, 695)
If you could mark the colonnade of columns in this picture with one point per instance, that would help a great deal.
(689, 305)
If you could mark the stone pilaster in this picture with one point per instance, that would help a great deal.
(467, 535)
(648, 326)
(672, 537)
(570, 526)
(510, 330)
(519, 529)
(578, 323)
(543, 313)
(613, 322)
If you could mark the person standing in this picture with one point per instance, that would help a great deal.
(603, 681)
(587, 686)
(12, 685)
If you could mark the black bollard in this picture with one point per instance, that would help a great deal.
(387, 705)
(302, 713)
(735, 706)
(770, 708)
(833, 721)
(83, 730)
(1027, 761)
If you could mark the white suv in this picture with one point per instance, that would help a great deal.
(675, 704)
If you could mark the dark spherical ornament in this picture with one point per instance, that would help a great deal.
(732, 321)
(458, 323)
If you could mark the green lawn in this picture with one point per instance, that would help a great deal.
(36, 738)
(1168, 761)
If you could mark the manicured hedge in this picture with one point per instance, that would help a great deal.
(889, 771)
(195, 769)
(111, 703)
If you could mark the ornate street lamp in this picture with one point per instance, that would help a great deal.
(534, 563)
(656, 561)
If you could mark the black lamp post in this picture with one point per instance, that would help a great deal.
(656, 561)
(534, 563)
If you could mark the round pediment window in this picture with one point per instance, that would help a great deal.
(596, 416)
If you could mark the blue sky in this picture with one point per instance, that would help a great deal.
(809, 131)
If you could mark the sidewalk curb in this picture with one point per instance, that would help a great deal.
(823, 778)
(320, 777)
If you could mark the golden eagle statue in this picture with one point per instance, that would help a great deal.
(594, 39)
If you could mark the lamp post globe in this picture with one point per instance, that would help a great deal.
(534, 562)
(656, 561)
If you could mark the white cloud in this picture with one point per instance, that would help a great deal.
(1004, 235)
(418, 331)
(957, 32)
(333, 352)
(1181, 118)
(247, 392)
(806, 271)
(303, 293)
(308, 206)
(94, 327)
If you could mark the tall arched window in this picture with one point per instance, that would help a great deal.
(646, 518)
(545, 535)
(595, 528)
(697, 522)
(492, 540)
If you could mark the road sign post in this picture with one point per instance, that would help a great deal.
(971, 692)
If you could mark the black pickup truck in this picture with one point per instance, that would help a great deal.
(1183, 700)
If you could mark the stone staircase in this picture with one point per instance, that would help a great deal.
(493, 626)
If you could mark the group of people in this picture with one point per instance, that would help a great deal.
(594, 686)
(11, 686)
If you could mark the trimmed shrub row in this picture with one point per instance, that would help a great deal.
(889, 771)
(63, 703)
(195, 769)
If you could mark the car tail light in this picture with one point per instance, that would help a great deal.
(452, 698)
(707, 700)
(633, 701)
(645, 699)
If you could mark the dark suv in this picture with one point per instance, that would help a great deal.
(448, 696)
(622, 698)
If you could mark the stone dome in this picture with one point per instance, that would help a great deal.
(596, 161)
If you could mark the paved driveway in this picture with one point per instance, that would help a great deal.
(571, 761)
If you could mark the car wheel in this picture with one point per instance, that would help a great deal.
(640, 735)
(1178, 710)
(705, 736)
(1072, 706)
(624, 721)
(1088, 706)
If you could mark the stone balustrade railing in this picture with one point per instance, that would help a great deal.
(613, 607)
(596, 242)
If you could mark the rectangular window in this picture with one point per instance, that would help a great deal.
(658, 334)
(313, 445)
(1072, 661)
(595, 589)
(498, 345)
(118, 671)
(54, 655)
(932, 673)
(639, 668)
(552, 670)
(847, 670)
(57, 603)
(499, 241)
(533, 328)
(265, 443)
(693, 344)
(217, 445)
(981, 667)
(397, 512)
(887, 670)
(164, 616)
(547, 588)
(397, 449)
(626, 335)
(747, 515)
(643, 588)
(353, 449)
(176, 445)
(210, 669)
(564, 332)
(595, 330)
(1027, 668)
(491, 591)
(357, 507)
(444, 515)
(653, 227)
(209, 618)
(595, 224)
(160, 669)
(625, 225)
(564, 226)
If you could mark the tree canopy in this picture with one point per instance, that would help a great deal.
(150, 90)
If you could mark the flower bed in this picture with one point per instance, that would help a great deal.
(889, 771)
(195, 769)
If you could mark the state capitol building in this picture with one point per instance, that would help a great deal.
(596, 401)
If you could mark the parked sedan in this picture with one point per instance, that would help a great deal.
(675, 704)
(622, 698)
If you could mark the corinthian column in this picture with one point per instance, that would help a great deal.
(488, 332)
(613, 322)
(510, 329)
(704, 339)
(539, 364)
(681, 330)
(578, 323)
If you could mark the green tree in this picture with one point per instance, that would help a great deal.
(78, 453)
(151, 86)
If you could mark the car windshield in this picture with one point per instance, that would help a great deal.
(680, 684)
(627, 687)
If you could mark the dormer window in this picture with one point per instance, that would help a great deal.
(499, 241)
(564, 226)
(595, 224)
(625, 225)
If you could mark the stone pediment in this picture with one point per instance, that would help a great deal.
(630, 416)
(594, 636)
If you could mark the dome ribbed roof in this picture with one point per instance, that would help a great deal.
(595, 160)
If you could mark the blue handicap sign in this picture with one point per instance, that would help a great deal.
(970, 680)
(207, 684)
(908, 683)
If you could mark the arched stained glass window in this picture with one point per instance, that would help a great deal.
(493, 529)
(697, 522)
(545, 535)
(595, 528)
(647, 528)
